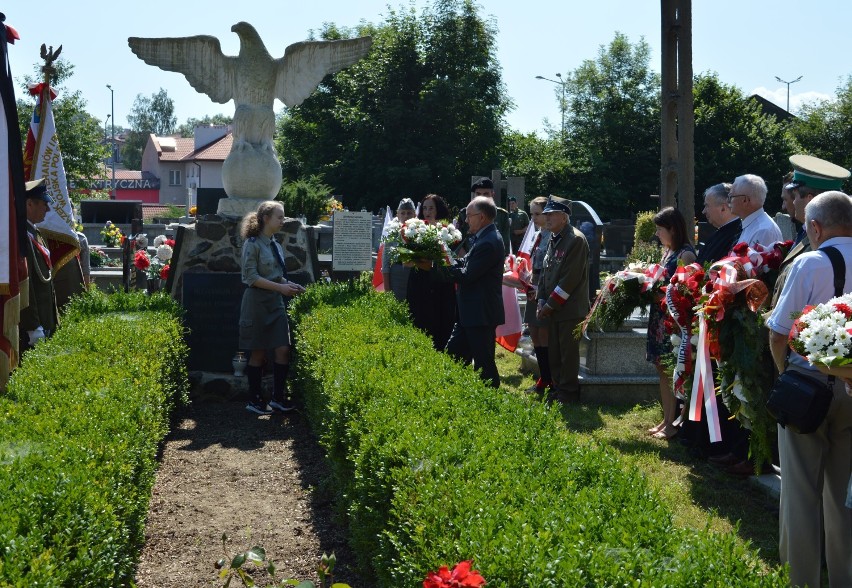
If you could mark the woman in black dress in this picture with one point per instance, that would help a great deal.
(432, 302)
(264, 323)
(671, 231)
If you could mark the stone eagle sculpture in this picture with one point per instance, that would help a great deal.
(253, 79)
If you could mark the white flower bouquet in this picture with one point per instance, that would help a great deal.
(419, 240)
(823, 333)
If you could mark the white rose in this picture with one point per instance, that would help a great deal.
(164, 252)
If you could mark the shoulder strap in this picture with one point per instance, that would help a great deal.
(839, 267)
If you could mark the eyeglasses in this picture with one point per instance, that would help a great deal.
(474, 214)
(732, 196)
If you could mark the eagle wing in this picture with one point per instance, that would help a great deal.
(305, 64)
(198, 58)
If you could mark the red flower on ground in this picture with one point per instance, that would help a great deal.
(461, 577)
(164, 272)
(141, 260)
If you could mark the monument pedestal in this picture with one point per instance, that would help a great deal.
(237, 207)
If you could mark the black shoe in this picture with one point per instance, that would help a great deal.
(282, 405)
(258, 407)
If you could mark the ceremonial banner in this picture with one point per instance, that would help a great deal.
(42, 159)
(12, 265)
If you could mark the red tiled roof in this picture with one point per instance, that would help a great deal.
(183, 147)
(216, 151)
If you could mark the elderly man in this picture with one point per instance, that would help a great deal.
(728, 225)
(563, 297)
(40, 317)
(746, 199)
(816, 466)
(485, 187)
(479, 276)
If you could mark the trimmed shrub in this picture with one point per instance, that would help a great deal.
(82, 420)
(434, 467)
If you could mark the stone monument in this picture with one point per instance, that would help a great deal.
(253, 80)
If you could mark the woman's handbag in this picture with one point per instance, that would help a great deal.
(799, 401)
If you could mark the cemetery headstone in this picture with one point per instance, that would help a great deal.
(212, 303)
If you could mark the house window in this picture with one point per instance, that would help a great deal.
(174, 177)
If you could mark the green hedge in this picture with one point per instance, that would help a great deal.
(433, 467)
(82, 420)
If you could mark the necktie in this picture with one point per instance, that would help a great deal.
(277, 254)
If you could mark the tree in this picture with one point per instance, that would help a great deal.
(421, 113)
(613, 129)
(154, 115)
(542, 162)
(733, 136)
(80, 134)
(187, 129)
(824, 128)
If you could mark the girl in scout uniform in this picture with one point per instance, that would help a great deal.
(264, 323)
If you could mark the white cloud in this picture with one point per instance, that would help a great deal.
(779, 97)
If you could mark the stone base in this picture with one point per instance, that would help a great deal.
(237, 207)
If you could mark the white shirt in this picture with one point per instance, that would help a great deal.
(758, 227)
(810, 281)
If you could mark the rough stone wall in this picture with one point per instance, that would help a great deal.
(214, 245)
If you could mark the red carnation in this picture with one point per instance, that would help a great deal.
(141, 260)
(164, 272)
(461, 577)
(740, 249)
(844, 308)
(169, 242)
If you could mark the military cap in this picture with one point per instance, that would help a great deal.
(557, 204)
(816, 173)
(482, 184)
(38, 191)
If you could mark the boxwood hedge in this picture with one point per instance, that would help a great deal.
(433, 467)
(82, 419)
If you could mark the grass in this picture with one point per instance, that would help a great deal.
(700, 495)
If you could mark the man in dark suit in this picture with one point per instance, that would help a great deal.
(563, 297)
(728, 225)
(479, 276)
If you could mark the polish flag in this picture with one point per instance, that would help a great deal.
(526, 246)
(378, 278)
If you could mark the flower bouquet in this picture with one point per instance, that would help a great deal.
(111, 235)
(638, 286)
(823, 333)
(97, 257)
(157, 267)
(419, 240)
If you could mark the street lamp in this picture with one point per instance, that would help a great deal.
(562, 104)
(112, 141)
(788, 88)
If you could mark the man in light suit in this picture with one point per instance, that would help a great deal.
(563, 297)
(479, 276)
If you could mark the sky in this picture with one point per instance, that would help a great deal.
(746, 42)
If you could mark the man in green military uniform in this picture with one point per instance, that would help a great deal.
(484, 187)
(40, 317)
(518, 221)
(563, 297)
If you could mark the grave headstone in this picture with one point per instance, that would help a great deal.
(212, 303)
(118, 211)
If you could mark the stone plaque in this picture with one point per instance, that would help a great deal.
(352, 243)
(212, 303)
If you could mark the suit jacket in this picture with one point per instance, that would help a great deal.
(479, 275)
(721, 242)
(564, 281)
(41, 309)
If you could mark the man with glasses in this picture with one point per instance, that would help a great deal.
(746, 200)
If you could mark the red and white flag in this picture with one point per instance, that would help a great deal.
(378, 278)
(13, 268)
(42, 159)
(526, 246)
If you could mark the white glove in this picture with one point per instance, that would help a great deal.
(36, 335)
